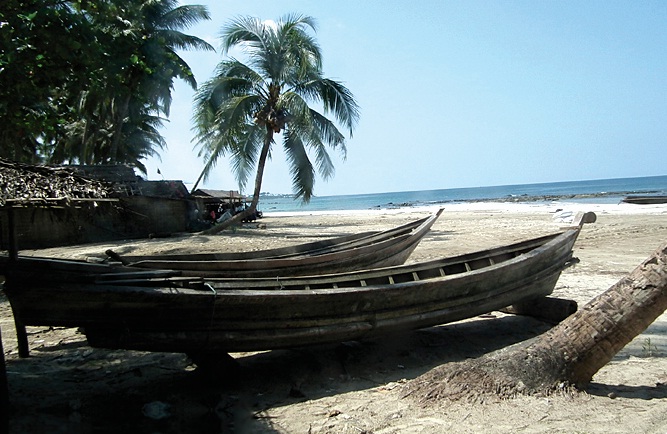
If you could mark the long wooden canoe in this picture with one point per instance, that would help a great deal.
(382, 249)
(349, 252)
(313, 248)
(211, 316)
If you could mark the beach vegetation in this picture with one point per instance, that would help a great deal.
(245, 106)
(89, 82)
(649, 349)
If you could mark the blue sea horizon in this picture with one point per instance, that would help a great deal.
(604, 191)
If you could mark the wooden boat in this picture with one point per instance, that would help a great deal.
(214, 316)
(349, 252)
(646, 199)
(372, 250)
(312, 248)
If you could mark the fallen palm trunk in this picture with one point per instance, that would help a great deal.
(569, 354)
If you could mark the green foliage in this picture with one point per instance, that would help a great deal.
(34, 63)
(88, 81)
(238, 111)
(649, 349)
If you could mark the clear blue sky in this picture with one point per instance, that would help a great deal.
(467, 93)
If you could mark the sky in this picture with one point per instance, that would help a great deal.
(464, 93)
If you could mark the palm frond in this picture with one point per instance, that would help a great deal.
(182, 17)
(310, 132)
(303, 173)
(182, 41)
(182, 69)
(326, 130)
(223, 119)
(244, 31)
(313, 126)
(211, 161)
(335, 97)
(244, 156)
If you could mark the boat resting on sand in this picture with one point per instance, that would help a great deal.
(646, 199)
(214, 316)
(372, 250)
(393, 247)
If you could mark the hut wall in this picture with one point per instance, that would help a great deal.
(156, 215)
(132, 217)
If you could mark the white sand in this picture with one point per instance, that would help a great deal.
(357, 388)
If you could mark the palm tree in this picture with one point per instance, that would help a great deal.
(119, 113)
(241, 109)
(155, 33)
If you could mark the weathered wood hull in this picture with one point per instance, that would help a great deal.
(349, 252)
(320, 247)
(383, 249)
(197, 315)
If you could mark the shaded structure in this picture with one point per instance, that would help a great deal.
(60, 205)
(213, 204)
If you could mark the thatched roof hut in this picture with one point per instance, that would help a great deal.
(23, 184)
(45, 206)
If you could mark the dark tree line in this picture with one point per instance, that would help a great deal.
(90, 82)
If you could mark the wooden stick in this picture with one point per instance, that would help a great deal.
(4, 393)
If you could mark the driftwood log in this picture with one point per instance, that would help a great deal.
(567, 355)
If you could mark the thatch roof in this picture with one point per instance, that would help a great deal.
(217, 194)
(116, 173)
(28, 185)
(170, 189)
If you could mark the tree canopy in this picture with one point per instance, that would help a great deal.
(89, 81)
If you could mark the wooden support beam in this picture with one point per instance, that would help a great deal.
(4, 393)
(11, 235)
(548, 309)
(21, 334)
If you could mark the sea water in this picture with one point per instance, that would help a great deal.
(592, 191)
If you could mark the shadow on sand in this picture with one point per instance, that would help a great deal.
(74, 388)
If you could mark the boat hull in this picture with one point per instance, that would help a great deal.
(211, 316)
(388, 248)
(346, 253)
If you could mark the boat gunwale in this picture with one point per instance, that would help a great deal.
(159, 286)
(337, 244)
(232, 266)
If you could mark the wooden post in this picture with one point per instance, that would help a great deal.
(4, 389)
(4, 393)
(21, 334)
(21, 338)
(11, 234)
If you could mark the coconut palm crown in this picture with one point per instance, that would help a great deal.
(244, 106)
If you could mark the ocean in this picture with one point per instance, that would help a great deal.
(592, 191)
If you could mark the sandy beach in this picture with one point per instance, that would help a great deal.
(354, 387)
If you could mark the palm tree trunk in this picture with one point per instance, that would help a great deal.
(119, 120)
(261, 163)
(571, 353)
(201, 176)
